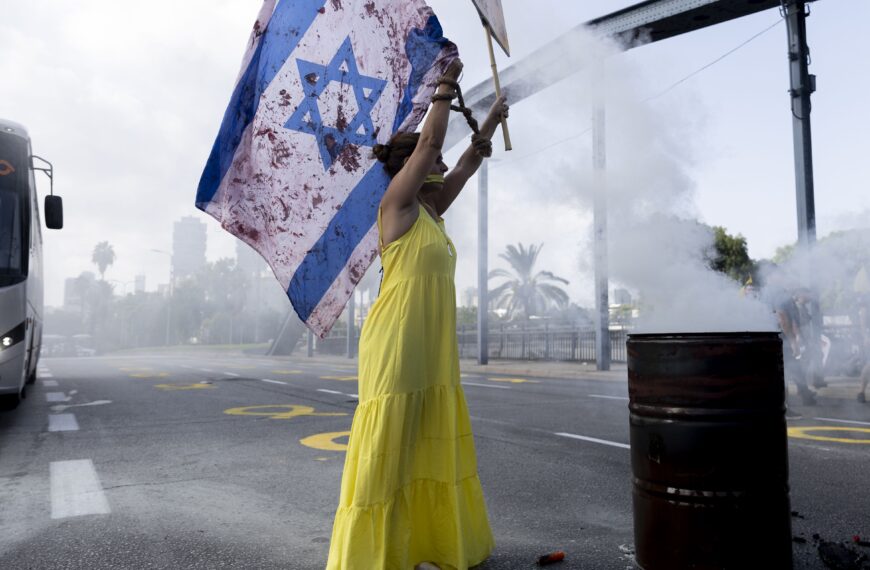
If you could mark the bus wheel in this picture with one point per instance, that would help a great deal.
(32, 378)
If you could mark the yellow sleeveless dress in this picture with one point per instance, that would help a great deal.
(410, 491)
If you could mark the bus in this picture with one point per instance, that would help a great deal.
(21, 277)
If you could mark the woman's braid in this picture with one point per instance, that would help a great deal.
(481, 144)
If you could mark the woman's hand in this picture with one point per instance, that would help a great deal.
(454, 70)
(499, 109)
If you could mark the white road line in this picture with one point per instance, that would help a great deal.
(62, 422)
(486, 385)
(273, 381)
(76, 490)
(354, 396)
(50, 383)
(843, 421)
(205, 369)
(44, 375)
(595, 440)
(329, 391)
(231, 374)
(607, 397)
(56, 397)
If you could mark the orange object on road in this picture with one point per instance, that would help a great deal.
(557, 556)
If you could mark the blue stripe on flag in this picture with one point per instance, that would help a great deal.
(289, 22)
(421, 47)
(328, 257)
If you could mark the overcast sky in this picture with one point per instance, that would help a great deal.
(125, 99)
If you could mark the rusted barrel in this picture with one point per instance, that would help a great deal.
(708, 451)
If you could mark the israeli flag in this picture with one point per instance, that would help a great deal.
(291, 172)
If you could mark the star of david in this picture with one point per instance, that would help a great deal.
(315, 78)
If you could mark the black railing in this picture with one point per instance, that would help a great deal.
(569, 345)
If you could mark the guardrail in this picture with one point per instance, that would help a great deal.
(568, 345)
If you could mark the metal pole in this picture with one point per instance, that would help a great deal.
(602, 316)
(482, 265)
(802, 85)
(351, 332)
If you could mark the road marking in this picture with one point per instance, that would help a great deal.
(232, 374)
(354, 396)
(50, 383)
(326, 441)
(175, 387)
(340, 378)
(328, 391)
(486, 385)
(62, 407)
(149, 375)
(607, 397)
(801, 433)
(205, 369)
(273, 381)
(56, 397)
(595, 440)
(62, 422)
(76, 490)
(843, 421)
(133, 369)
(45, 375)
(514, 380)
(287, 372)
(287, 412)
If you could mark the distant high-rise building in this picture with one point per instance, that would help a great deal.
(74, 289)
(188, 247)
(139, 284)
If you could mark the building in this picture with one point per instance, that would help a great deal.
(139, 284)
(188, 247)
(74, 289)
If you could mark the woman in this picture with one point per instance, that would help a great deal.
(410, 494)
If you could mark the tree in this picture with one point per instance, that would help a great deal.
(526, 292)
(103, 257)
(730, 255)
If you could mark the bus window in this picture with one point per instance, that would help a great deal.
(14, 197)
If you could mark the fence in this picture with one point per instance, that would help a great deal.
(574, 345)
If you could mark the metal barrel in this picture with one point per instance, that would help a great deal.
(708, 451)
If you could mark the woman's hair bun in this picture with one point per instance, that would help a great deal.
(382, 152)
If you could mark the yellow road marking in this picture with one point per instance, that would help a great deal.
(149, 375)
(801, 433)
(133, 369)
(514, 380)
(326, 441)
(287, 372)
(279, 411)
(341, 378)
(171, 387)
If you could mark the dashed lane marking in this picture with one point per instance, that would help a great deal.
(595, 440)
(76, 490)
(44, 375)
(177, 387)
(843, 421)
(514, 380)
(328, 391)
(287, 372)
(62, 422)
(603, 397)
(205, 370)
(339, 378)
(326, 441)
(62, 407)
(486, 385)
(273, 381)
(56, 397)
(149, 375)
(49, 383)
(232, 374)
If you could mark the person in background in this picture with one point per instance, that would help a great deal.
(864, 335)
(789, 322)
(810, 330)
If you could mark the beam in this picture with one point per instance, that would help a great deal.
(650, 21)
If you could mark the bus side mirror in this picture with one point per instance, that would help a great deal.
(53, 212)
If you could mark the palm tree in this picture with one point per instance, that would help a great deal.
(526, 292)
(103, 257)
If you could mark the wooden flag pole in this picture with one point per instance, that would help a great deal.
(504, 126)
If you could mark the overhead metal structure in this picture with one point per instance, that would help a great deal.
(634, 26)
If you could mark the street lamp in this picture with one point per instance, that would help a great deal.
(169, 296)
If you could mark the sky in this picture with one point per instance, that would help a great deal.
(126, 98)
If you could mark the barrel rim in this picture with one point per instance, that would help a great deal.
(703, 335)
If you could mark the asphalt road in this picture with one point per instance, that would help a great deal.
(209, 461)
